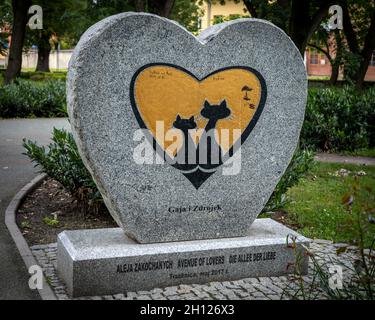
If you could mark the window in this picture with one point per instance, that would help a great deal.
(372, 61)
(314, 58)
(199, 23)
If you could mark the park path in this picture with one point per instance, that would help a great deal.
(336, 158)
(16, 170)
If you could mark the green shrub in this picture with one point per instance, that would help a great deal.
(339, 119)
(41, 76)
(299, 166)
(23, 98)
(62, 162)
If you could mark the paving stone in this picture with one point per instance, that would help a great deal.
(157, 290)
(144, 297)
(322, 241)
(38, 247)
(118, 296)
(219, 296)
(174, 297)
(142, 293)
(258, 296)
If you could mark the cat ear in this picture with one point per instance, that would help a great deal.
(206, 103)
(178, 117)
(191, 119)
(223, 103)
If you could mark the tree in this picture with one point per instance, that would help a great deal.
(162, 8)
(187, 13)
(331, 44)
(20, 8)
(298, 18)
(60, 17)
(359, 28)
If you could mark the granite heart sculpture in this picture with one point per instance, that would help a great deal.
(135, 79)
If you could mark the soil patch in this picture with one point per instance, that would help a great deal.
(49, 210)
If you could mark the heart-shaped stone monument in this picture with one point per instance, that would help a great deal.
(186, 137)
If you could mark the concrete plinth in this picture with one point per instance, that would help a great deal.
(106, 261)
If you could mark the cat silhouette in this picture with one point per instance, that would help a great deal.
(182, 156)
(214, 113)
(208, 143)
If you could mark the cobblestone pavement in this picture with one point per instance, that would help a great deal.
(270, 288)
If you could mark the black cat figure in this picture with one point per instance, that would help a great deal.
(208, 143)
(188, 147)
(208, 153)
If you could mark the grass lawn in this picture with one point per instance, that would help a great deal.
(52, 70)
(38, 76)
(315, 203)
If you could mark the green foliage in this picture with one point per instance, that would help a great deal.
(62, 162)
(301, 163)
(52, 222)
(187, 13)
(315, 202)
(352, 62)
(360, 153)
(23, 98)
(358, 208)
(339, 119)
(220, 19)
(25, 224)
(40, 76)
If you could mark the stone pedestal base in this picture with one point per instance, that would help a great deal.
(106, 261)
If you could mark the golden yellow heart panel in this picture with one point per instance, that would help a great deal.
(188, 116)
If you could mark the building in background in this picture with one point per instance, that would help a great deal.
(4, 43)
(214, 12)
(317, 64)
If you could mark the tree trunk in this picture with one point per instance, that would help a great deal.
(251, 8)
(44, 49)
(350, 35)
(162, 8)
(366, 53)
(299, 23)
(139, 5)
(334, 74)
(20, 8)
(336, 63)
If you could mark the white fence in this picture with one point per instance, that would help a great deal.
(57, 60)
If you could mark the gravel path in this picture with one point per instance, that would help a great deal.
(335, 158)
